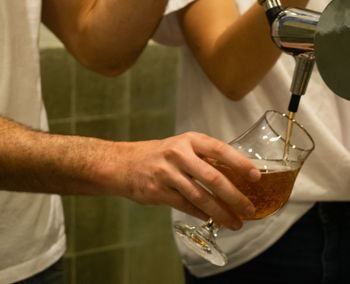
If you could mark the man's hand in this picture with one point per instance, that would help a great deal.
(165, 172)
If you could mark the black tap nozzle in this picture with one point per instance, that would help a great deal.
(273, 13)
(294, 103)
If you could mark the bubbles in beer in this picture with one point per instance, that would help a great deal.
(271, 192)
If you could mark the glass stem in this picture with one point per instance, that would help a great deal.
(211, 227)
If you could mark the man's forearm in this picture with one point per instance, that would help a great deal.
(148, 172)
(106, 36)
(33, 161)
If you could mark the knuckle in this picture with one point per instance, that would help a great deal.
(151, 189)
(213, 178)
(170, 152)
(193, 135)
(173, 153)
(153, 194)
(199, 197)
(219, 148)
(190, 134)
(160, 172)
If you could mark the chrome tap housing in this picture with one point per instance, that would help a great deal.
(294, 30)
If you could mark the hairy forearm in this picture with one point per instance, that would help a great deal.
(106, 36)
(155, 172)
(33, 161)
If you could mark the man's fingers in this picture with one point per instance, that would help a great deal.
(223, 189)
(206, 146)
(207, 203)
(176, 200)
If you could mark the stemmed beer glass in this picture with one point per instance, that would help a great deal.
(279, 163)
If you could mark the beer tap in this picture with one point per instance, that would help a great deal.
(312, 37)
(293, 31)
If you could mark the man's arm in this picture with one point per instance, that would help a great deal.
(149, 172)
(106, 36)
(235, 51)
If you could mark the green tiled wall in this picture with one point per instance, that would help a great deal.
(110, 239)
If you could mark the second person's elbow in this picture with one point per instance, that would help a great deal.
(110, 66)
(232, 89)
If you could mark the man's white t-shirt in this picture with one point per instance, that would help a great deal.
(32, 233)
(201, 107)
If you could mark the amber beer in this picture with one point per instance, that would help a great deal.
(271, 192)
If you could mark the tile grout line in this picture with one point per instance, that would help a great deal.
(127, 94)
(73, 203)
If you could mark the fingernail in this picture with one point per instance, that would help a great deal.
(236, 225)
(254, 175)
(249, 211)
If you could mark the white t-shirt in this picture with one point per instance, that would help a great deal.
(201, 107)
(32, 233)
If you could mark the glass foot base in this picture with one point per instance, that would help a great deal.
(201, 240)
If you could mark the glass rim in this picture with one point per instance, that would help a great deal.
(294, 122)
